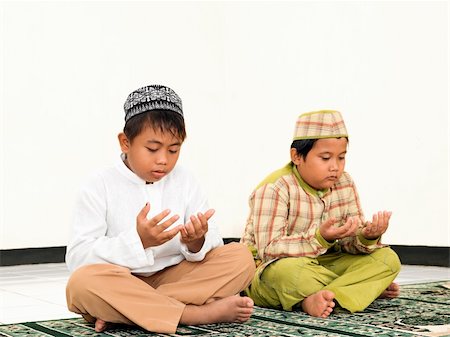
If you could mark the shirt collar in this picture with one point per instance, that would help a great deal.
(127, 173)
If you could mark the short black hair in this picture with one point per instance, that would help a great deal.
(303, 146)
(159, 120)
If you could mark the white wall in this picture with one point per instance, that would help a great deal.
(244, 70)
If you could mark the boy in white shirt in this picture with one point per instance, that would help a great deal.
(144, 248)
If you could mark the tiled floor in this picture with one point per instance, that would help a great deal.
(37, 292)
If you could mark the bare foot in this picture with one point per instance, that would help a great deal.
(228, 309)
(320, 304)
(100, 325)
(391, 292)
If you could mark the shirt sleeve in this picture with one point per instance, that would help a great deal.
(198, 202)
(89, 242)
(271, 227)
(248, 237)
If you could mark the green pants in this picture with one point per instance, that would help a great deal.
(356, 280)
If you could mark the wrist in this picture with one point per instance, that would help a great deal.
(325, 237)
(368, 241)
(196, 245)
(322, 241)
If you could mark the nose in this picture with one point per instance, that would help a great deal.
(162, 158)
(334, 165)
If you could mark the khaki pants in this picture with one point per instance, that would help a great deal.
(356, 280)
(156, 303)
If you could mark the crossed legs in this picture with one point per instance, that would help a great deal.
(188, 293)
(314, 285)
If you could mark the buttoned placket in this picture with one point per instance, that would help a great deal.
(153, 197)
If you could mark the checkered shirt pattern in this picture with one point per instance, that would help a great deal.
(284, 219)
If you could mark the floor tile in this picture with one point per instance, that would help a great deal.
(11, 299)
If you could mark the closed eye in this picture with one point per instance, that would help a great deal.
(174, 148)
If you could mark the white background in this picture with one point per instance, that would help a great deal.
(245, 71)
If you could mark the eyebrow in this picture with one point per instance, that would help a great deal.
(328, 152)
(152, 141)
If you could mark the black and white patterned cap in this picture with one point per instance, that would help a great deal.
(152, 97)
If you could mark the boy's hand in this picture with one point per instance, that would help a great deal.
(331, 233)
(378, 226)
(151, 232)
(193, 233)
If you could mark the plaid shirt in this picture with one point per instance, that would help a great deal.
(285, 215)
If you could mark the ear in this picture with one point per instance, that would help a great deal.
(124, 142)
(295, 157)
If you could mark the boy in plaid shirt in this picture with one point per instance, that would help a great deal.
(307, 230)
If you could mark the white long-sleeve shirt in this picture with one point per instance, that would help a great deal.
(104, 222)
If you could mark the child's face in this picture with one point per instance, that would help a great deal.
(152, 154)
(324, 164)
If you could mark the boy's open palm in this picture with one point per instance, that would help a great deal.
(330, 233)
(197, 227)
(153, 232)
(378, 226)
(193, 233)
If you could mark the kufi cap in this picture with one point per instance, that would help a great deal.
(152, 97)
(320, 124)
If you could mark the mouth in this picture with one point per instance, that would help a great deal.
(158, 174)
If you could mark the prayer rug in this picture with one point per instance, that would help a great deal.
(421, 310)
